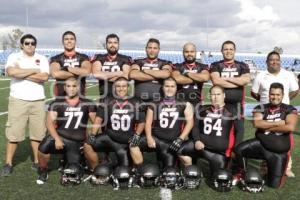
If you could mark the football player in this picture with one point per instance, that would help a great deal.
(69, 64)
(275, 122)
(110, 66)
(233, 76)
(67, 122)
(190, 75)
(123, 121)
(149, 72)
(164, 126)
(212, 133)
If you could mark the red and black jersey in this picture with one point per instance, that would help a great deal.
(147, 89)
(191, 92)
(236, 69)
(72, 120)
(110, 64)
(168, 119)
(214, 127)
(120, 116)
(274, 141)
(66, 61)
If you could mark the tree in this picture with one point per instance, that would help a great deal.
(12, 39)
(278, 50)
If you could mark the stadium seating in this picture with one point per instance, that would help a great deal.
(175, 56)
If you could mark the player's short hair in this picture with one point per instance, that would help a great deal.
(112, 35)
(169, 79)
(228, 42)
(153, 40)
(216, 86)
(121, 78)
(277, 86)
(272, 53)
(71, 79)
(68, 33)
(28, 36)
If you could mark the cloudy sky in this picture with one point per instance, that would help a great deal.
(255, 25)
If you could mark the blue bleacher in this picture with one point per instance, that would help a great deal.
(174, 56)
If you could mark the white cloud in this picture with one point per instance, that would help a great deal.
(251, 12)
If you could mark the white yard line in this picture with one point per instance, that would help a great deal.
(4, 88)
(3, 113)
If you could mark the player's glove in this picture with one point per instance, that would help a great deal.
(91, 139)
(135, 140)
(176, 144)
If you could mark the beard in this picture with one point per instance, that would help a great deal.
(112, 51)
(190, 60)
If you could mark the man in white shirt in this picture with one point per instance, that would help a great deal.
(261, 85)
(274, 73)
(28, 71)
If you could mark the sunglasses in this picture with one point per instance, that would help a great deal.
(29, 43)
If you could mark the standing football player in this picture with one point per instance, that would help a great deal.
(110, 66)
(69, 64)
(233, 76)
(67, 122)
(190, 75)
(148, 73)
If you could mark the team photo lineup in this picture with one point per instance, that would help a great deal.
(150, 106)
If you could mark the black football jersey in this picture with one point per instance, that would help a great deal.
(146, 90)
(120, 116)
(214, 127)
(168, 119)
(232, 95)
(65, 62)
(191, 92)
(274, 141)
(72, 120)
(110, 64)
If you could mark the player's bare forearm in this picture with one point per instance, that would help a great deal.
(140, 128)
(17, 72)
(140, 76)
(38, 77)
(290, 124)
(50, 124)
(79, 71)
(223, 83)
(263, 124)
(159, 74)
(180, 79)
(240, 81)
(60, 74)
(96, 125)
(199, 77)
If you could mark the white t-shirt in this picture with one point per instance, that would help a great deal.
(25, 89)
(263, 80)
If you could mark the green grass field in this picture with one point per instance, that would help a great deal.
(21, 184)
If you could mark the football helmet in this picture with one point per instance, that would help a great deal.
(72, 173)
(253, 181)
(122, 178)
(171, 178)
(191, 177)
(149, 175)
(222, 180)
(101, 175)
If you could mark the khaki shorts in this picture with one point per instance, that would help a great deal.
(21, 113)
